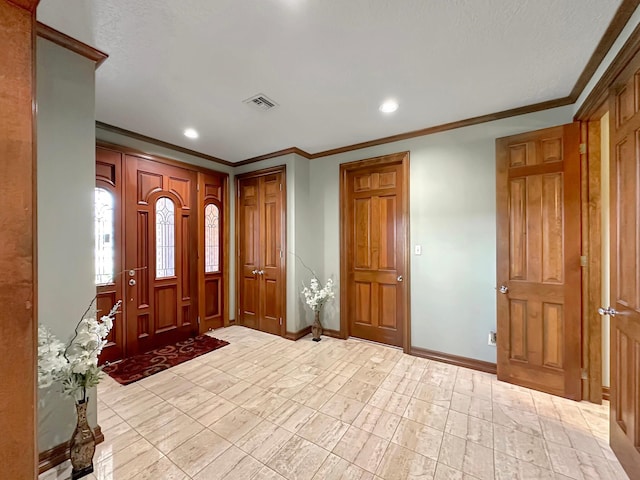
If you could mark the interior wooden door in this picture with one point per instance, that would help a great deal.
(109, 247)
(211, 276)
(375, 212)
(271, 254)
(161, 254)
(260, 228)
(538, 260)
(625, 269)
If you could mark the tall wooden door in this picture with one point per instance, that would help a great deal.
(261, 218)
(161, 254)
(109, 247)
(625, 269)
(211, 270)
(538, 260)
(374, 216)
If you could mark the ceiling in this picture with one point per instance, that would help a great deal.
(327, 63)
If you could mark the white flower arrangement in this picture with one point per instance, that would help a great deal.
(74, 365)
(316, 296)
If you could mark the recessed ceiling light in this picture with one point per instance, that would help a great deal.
(191, 133)
(389, 106)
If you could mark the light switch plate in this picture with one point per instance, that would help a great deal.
(417, 249)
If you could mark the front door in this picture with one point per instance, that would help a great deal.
(625, 270)
(538, 257)
(160, 254)
(374, 215)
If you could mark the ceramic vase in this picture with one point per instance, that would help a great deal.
(83, 444)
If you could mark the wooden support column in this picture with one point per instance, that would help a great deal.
(18, 321)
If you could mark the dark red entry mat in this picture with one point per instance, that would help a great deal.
(144, 365)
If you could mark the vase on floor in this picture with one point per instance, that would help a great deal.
(83, 444)
(316, 328)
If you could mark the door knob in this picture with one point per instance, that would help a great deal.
(400, 278)
(260, 272)
(612, 312)
(132, 282)
(503, 289)
(254, 272)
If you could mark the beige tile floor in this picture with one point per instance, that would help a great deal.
(268, 408)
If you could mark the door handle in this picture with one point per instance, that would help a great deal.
(260, 272)
(400, 278)
(254, 272)
(612, 312)
(503, 289)
(132, 282)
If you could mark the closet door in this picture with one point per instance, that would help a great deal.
(261, 217)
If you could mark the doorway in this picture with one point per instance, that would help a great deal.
(161, 247)
(374, 262)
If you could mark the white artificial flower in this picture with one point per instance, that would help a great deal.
(316, 296)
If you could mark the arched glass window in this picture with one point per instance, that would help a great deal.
(165, 238)
(104, 233)
(211, 238)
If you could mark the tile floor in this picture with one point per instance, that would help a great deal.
(268, 408)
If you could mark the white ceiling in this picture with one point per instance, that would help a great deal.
(327, 63)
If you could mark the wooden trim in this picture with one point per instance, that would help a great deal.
(298, 335)
(156, 158)
(60, 453)
(592, 248)
(456, 360)
(262, 172)
(70, 43)
(226, 238)
(279, 153)
(606, 393)
(620, 19)
(28, 5)
(160, 143)
(600, 91)
(406, 267)
(332, 333)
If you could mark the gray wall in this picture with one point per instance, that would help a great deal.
(453, 218)
(66, 179)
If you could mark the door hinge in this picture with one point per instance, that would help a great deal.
(197, 187)
(583, 260)
(583, 374)
(280, 187)
(281, 321)
(583, 148)
(198, 319)
(281, 256)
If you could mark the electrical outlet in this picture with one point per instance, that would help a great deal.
(417, 249)
(492, 339)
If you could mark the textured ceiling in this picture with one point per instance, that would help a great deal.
(327, 63)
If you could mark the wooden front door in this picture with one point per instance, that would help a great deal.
(625, 269)
(161, 254)
(261, 247)
(374, 215)
(108, 251)
(211, 277)
(538, 260)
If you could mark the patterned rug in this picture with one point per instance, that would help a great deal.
(144, 365)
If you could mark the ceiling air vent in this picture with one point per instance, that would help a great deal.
(261, 102)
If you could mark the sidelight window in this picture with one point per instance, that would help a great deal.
(104, 236)
(211, 238)
(165, 238)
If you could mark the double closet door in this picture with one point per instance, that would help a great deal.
(261, 249)
(158, 249)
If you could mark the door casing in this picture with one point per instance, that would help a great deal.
(345, 168)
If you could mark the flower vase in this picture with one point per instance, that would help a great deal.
(316, 329)
(83, 444)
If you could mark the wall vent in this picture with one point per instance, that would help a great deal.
(261, 102)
